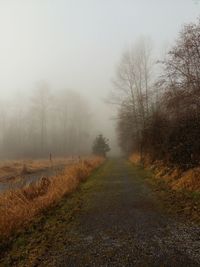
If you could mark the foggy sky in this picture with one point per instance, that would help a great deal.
(76, 44)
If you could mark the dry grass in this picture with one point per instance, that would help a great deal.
(135, 158)
(19, 206)
(178, 190)
(174, 177)
(189, 180)
(10, 169)
(178, 179)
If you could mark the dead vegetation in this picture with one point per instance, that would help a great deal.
(178, 190)
(161, 121)
(176, 178)
(19, 206)
(11, 169)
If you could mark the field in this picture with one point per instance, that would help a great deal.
(20, 205)
(11, 169)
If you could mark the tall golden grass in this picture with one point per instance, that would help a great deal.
(15, 168)
(135, 158)
(175, 178)
(20, 206)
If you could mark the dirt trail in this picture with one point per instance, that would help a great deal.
(113, 220)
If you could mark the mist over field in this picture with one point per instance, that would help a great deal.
(70, 50)
(99, 133)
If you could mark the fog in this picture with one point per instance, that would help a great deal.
(68, 51)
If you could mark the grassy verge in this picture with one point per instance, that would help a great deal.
(182, 201)
(18, 207)
(30, 245)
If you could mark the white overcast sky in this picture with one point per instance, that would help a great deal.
(77, 43)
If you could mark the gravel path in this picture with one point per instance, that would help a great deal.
(120, 223)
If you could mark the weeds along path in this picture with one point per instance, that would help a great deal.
(112, 220)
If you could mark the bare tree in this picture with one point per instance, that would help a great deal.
(56, 122)
(132, 85)
(172, 133)
(41, 102)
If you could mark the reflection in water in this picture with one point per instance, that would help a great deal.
(28, 179)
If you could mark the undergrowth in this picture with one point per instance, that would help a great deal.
(19, 206)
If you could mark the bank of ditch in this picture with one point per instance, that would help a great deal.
(18, 207)
(178, 190)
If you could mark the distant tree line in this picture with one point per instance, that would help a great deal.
(160, 117)
(44, 123)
